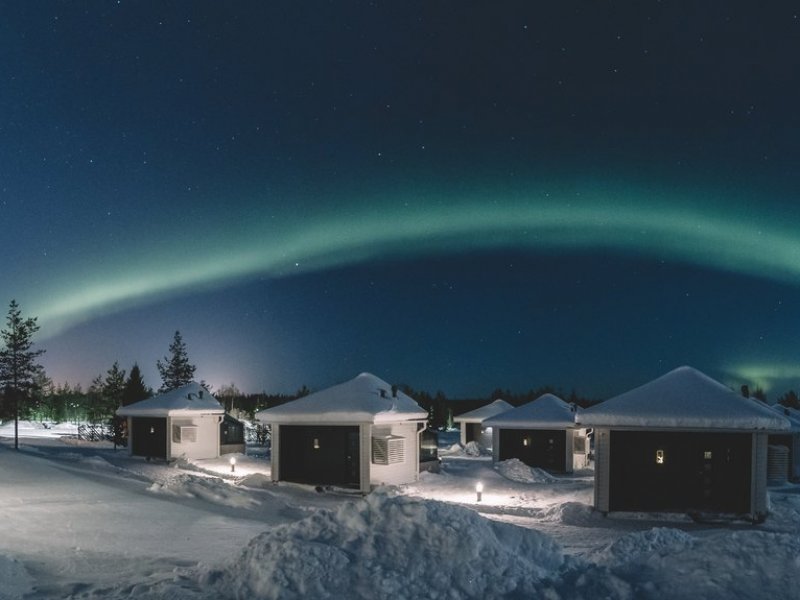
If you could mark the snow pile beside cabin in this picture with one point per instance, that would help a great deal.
(516, 470)
(683, 398)
(392, 547)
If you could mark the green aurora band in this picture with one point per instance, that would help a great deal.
(664, 228)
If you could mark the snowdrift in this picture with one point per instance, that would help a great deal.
(391, 547)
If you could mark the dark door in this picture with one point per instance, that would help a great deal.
(543, 448)
(680, 471)
(320, 454)
(473, 432)
(149, 437)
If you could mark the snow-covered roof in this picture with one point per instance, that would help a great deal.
(791, 414)
(546, 412)
(191, 398)
(484, 412)
(684, 398)
(364, 399)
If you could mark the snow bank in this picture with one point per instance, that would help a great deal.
(15, 581)
(391, 547)
(668, 563)
(516, 470)
(211, 489)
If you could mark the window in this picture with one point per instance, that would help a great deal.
(184, 433)
(388, 450)
(579, 444)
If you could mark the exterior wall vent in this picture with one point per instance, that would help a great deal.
(184, 433)
(388, 450)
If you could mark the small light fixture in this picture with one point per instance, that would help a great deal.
(659, 457)
(233, 464)
(152, 429)
(316, 443)
(526, 441)
(479, 490)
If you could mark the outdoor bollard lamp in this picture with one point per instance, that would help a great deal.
(233, 464)
(479, 490)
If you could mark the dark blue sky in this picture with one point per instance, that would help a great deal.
(453, 195)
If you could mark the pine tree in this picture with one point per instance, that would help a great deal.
(113, 387)
(135, 389)
(176, 370)
(18, 367)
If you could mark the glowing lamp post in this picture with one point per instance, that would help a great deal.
(479, 490)
(233, 464)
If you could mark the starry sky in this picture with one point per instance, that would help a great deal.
(457, 196)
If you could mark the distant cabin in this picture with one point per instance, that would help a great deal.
(682, 443)
(182, 423)
(356, 434)
(471, 423)
(541, 433)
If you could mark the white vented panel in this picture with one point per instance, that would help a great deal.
(388, 450)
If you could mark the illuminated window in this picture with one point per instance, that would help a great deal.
(659, 457)
(707, 455)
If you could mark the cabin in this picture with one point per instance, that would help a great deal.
(541, 433)
(181, 423)
(471, 423)
(682, 443)
(357, 434)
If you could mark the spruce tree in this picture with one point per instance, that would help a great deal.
(18, 367)
(113, 387)
(176, 370)
(135, 389)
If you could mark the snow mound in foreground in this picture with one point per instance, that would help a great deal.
(727, 565)
(16, 582)
(516, 470)
(211, 489)
(391, 547)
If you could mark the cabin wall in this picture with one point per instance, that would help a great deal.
(602, 468)
(580, 449)
(318, 454)
(205, 442)
(683, 471)
(275, 452)
(147, 436)
(398, 473)
(542, 448)
(758, 483)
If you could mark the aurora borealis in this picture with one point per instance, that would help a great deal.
(453, 196)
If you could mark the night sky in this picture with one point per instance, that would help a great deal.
(458, 196)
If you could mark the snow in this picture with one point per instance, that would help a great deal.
(683, 398)
(484, 412)
(189, 399)
(516, 470)
(546, 412)
(82, 520)
(364, 399)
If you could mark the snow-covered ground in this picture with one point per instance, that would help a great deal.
(82, 520)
